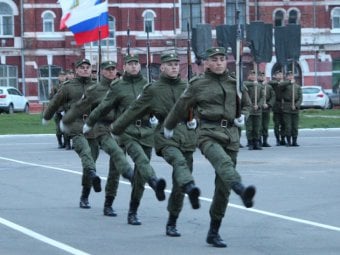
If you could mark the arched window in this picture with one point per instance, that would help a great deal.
(293, 17)
(6, 20)
(335, 14)
(48, 21)
(279, 19)
(191, 11)
(149, 21)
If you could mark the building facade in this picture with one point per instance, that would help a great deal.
(33, 49)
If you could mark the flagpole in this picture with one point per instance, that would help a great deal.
(99, 54)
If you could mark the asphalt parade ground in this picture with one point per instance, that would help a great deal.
(297, 205)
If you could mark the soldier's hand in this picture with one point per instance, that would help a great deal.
(64, 128)
(239, 122)
(153, 121)
(265, 106)
(86, 128)
(192, 124)
(168, 133)
(44, 121)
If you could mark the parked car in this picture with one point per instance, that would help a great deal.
(335, 98)
(315, 97)
(11, 100)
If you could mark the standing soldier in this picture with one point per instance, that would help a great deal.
(214, 98)
(67, 95)
(138, 137)
(58, 115)
(253, 123)
(67, 139)
(268, 102)
(277, 109)
(158, 98)
(292, 99)
(102, 133)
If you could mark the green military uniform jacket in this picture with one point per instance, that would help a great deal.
(121, 95)
(214, 98)
(158, 98)
(277, 107)
(251, 87)
(290, 90)
(91, 99)
(269, 97)
(69, 93)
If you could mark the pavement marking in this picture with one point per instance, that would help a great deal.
(42, 238)
(274, 215)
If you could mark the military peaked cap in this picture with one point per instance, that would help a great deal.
(215, 51)
(131, 57)
(169, 57)
(108, 64)
(82, 61)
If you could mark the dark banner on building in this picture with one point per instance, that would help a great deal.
(226, 36)
(287, 43)
(201, 40)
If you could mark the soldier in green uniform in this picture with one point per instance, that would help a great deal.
(137, 138)
(158, 98)
(277, 109)
(215, 100)
(102, 133)
(253, 123)
(268, 102)
(292, 99)
(67, 95)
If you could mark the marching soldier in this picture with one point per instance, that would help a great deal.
(67, 95)
(158, 98)
(279, 128)
(292, 99)
(268, 102)
(138, 137)
(102, 133)
(214, 98)
(253, 123)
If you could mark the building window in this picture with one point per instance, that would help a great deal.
(191, 11)
(149, 21)
(9, 76)
(48, 21)
(279, 19)
(335, 17)
(6, 20)
(293, 17)
(48, 78)
(111, 40)
(231, 11)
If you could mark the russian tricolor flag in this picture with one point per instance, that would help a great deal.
(86, 19)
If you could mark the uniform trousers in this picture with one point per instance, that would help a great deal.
(279, 128)
(253, 125)
(265, 123)
(291, 121)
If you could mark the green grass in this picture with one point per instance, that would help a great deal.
(20, 123)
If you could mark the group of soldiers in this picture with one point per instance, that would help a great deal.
(280, 96)
(128, 115)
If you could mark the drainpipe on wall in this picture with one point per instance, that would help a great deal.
(22, 48)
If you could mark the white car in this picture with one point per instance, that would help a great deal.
(315, 97)
(11, 100)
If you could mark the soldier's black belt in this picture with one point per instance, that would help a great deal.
(140, 123)
(223, 123)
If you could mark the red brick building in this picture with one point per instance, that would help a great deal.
(33, 49)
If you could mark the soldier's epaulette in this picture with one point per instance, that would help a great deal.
(114, 82)
(92, 87)
(65, 82)
(232, 79)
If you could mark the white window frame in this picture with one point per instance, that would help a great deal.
(335, 14)
(283, 16)
(147, 18)
(48, 22)
(298, 15)
(7, 19)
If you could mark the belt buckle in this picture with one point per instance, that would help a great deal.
(138, 123)
(224, 123)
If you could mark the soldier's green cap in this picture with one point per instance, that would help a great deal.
(169, 57)
(131, 57)
(215, 51)
(83, 61)
(107, 64)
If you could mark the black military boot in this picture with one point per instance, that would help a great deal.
(158, 185)
(247, 194)
(60, 142)
(282, 141)
(108, 210)
(193, 194)
(278, 143)
(213, 237)
(95, 179)
(289, 141)
(67, 143)
(132, 214)
(265, 142)
(256, 145)
(250, 145)
(295, 142)
(171, 229)
(129, 175)
(84, 198)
